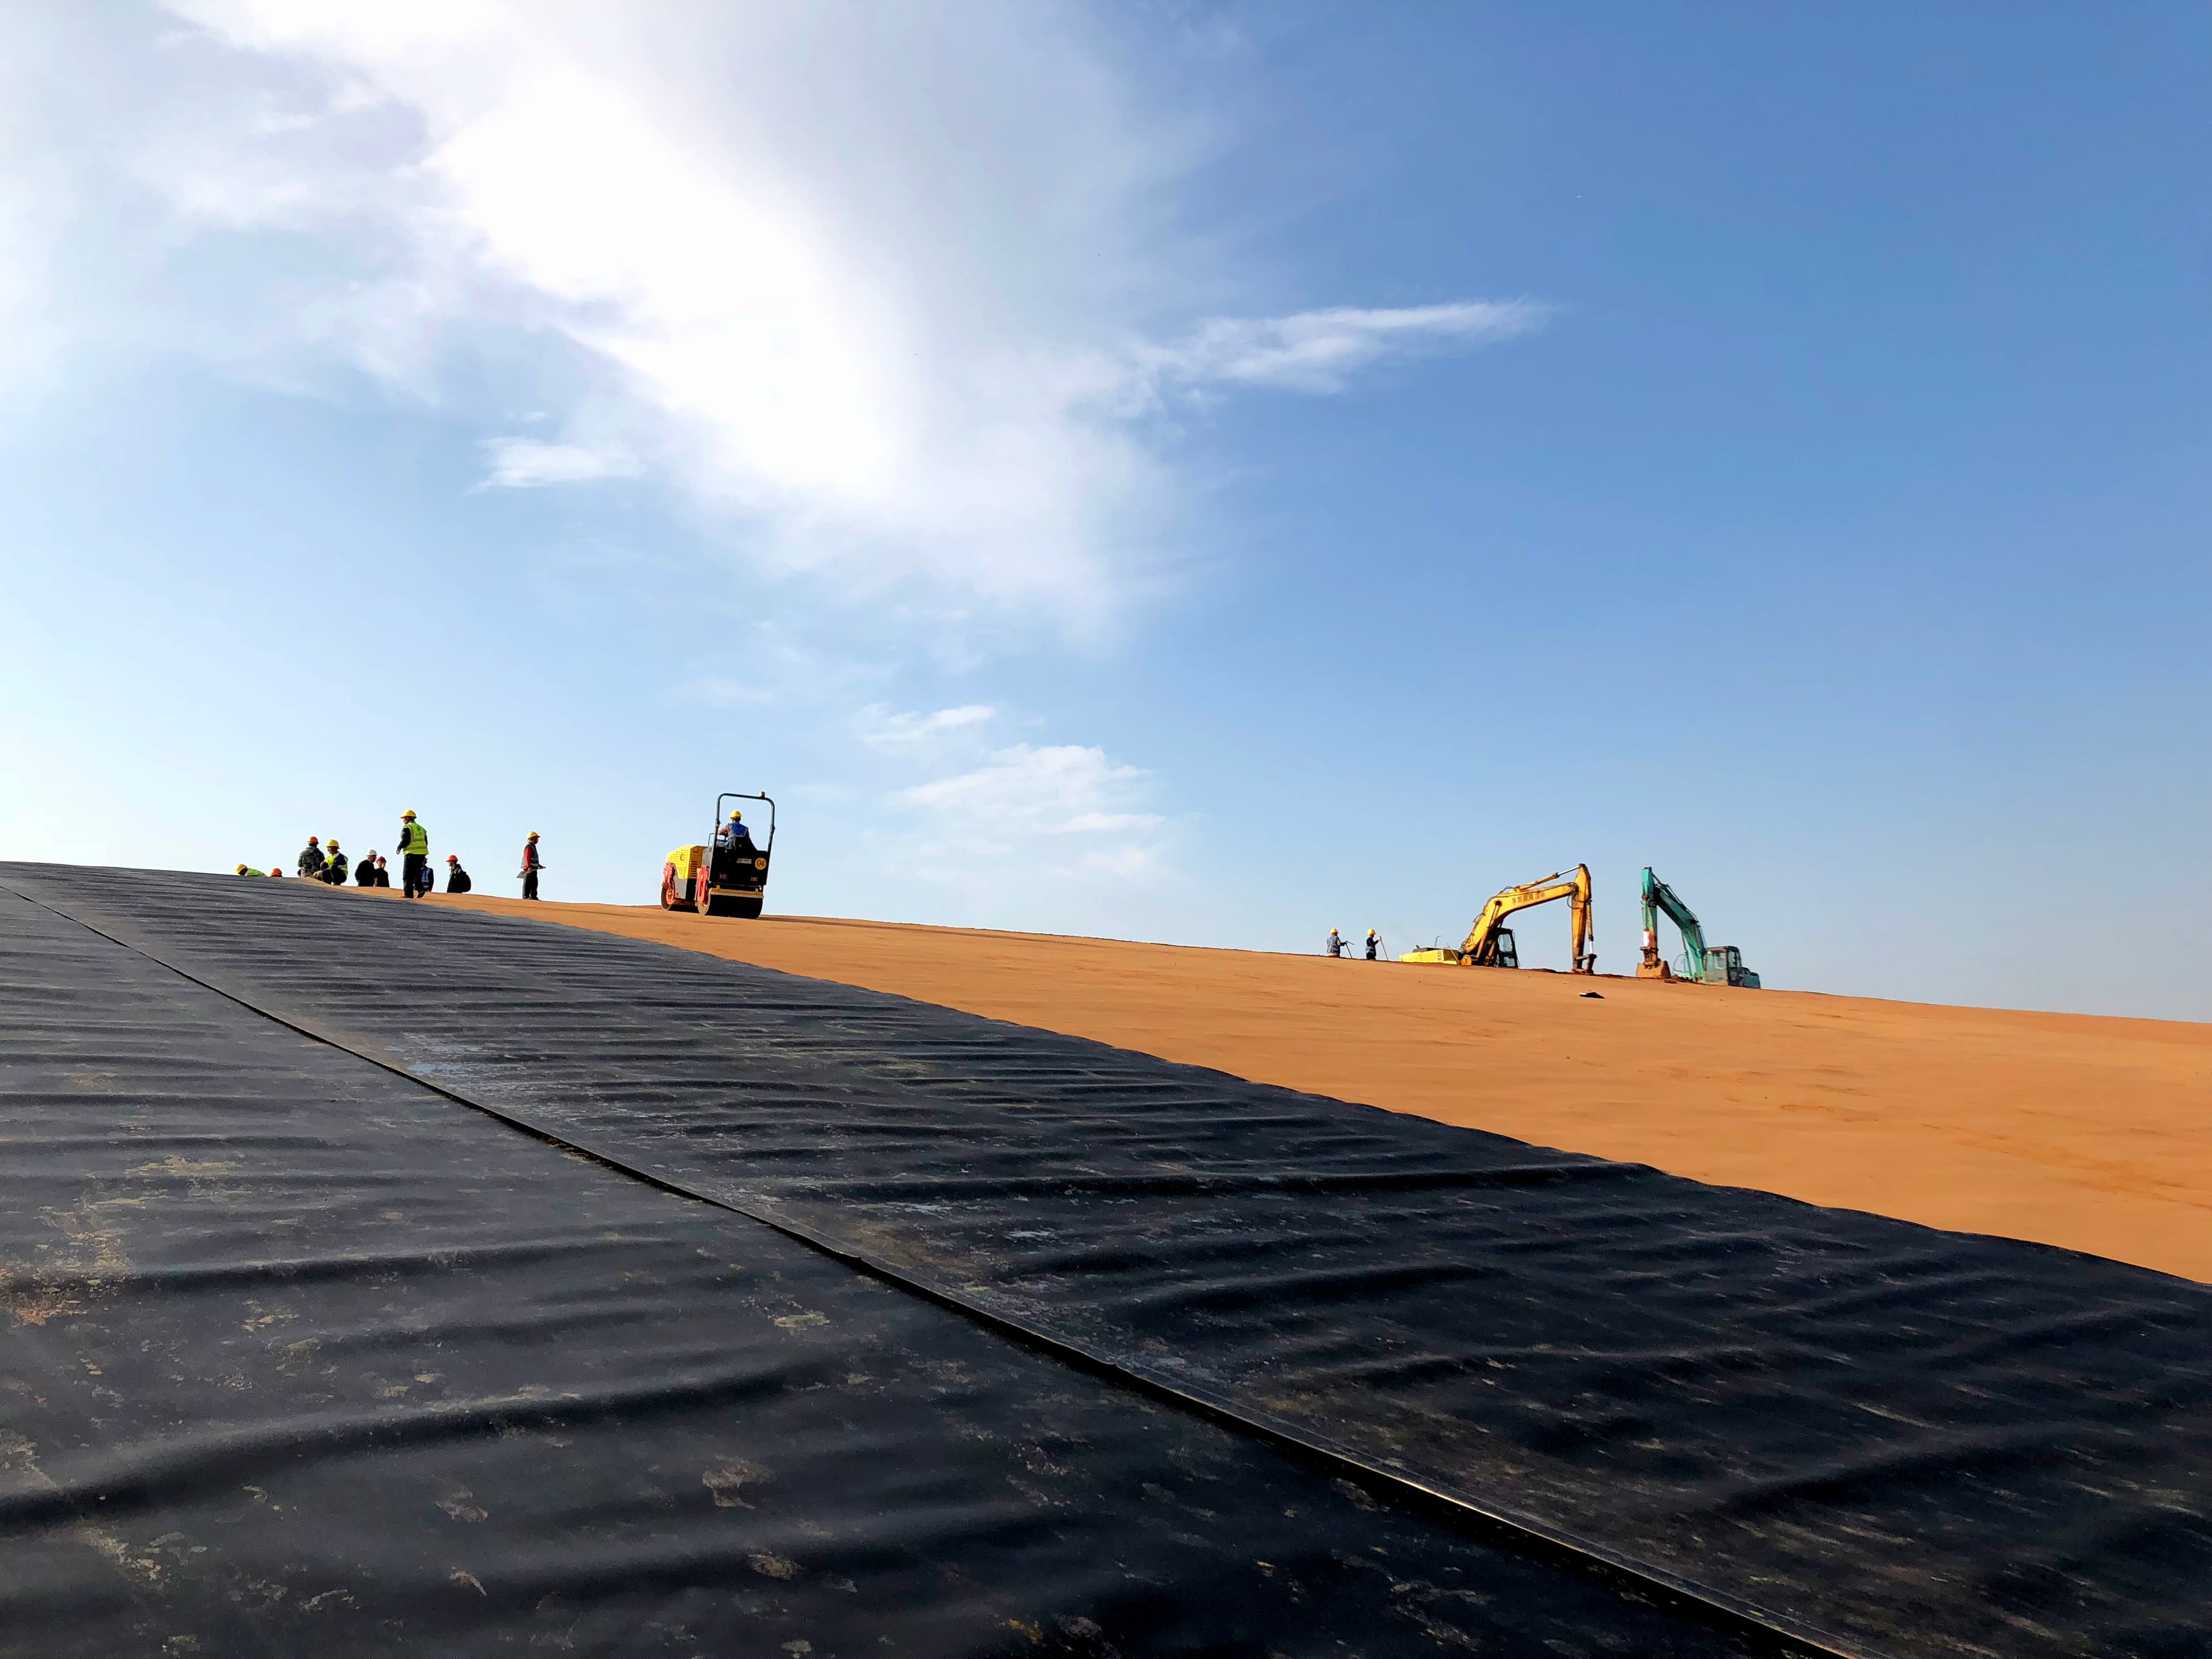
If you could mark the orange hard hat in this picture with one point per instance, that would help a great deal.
(452, 858)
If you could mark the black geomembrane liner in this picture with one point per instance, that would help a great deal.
(298, 1357)
(1927, 1442)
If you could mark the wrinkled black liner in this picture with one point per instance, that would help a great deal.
(299, 1357)
(1927, 1442)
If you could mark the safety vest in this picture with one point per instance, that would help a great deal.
(414, 839)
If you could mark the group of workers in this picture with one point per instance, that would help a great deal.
(330, 866)
(1337, 945)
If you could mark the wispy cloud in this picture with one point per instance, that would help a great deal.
(1051, 788)
(1062, 810)
(1319, 351)
(894, 291)
(525, 463)
(908, 732)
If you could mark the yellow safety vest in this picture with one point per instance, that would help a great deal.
(414, 839)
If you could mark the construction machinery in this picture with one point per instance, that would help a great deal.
(727, 875)
(1712, 964)
(1489, 943)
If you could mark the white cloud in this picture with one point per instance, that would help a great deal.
(1060, 810)
(887, 286)
(907, 732)
(1111, 823)
(1318, 351)
(526, 463)
(1046, 788)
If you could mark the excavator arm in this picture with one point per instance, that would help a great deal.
(1660, 899)
(1480, 948)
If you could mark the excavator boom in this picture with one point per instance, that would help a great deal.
(1660, 899)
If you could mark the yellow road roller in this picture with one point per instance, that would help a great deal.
(727, 875)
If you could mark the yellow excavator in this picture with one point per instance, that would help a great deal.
(1490, 943)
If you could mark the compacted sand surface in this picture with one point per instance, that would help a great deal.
(2093, 1133)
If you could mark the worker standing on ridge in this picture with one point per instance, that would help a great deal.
(310, 859)
(383, 875)
(1334, 943)
(334, 871)
(415, 850)
(531, 864)
(457, 879)
(364, 874)
(1374, 944)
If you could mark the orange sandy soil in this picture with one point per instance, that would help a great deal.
(2095, 1133)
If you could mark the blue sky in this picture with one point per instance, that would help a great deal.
(1185, 472)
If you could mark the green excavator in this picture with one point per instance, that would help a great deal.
(1712, 964)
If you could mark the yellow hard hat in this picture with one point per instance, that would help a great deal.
(408, 813)
(334, 843)
(241, 869)
(735, 814)
(533, 834)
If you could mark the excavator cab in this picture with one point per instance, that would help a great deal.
(1495, 949)
(1724, 966)
(726, 875)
